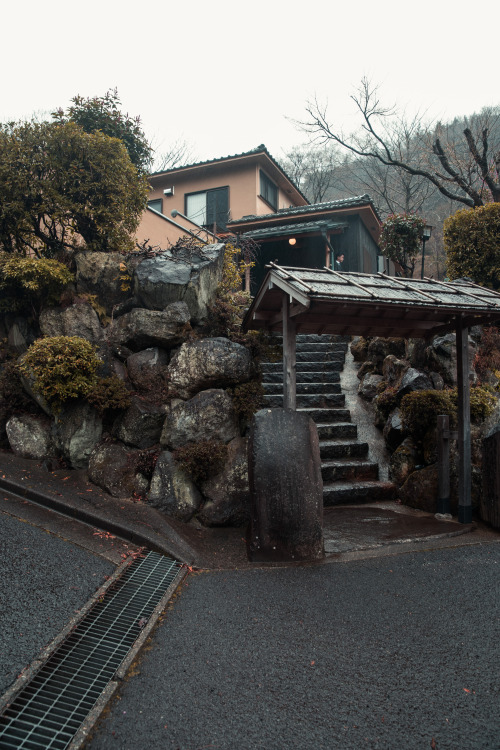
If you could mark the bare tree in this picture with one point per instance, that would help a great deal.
(312, 168)
(464, 166)
(178, 154)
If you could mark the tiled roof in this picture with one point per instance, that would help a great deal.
(301, 228)
(358, 200)
(258, 150)
(371, 304)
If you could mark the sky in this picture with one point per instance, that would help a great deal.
(227, 76)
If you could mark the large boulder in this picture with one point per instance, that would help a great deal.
(113, 467)
(421, 489)
(210, 415)
(369, 385)
(442, 356)
(141, 424)
(142, 365)
(100, 274)
(393, 430)
(286, 488)
(413, 380)
(79, 319)
(172, 490)
(30, 436)
(209, 363)
(227, 494)
(141, 328)
(190, 276)
(77, 430)
(379, 348)
(393, 369)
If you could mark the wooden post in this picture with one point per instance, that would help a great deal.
(443, 448)
(289, 357)
(463, 405)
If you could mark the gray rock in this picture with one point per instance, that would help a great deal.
(393, 369)
(368, 386)
(414, 380)
(442, 357)
(141, 328)
(76, 320)
(209, 363)
(113, 467)
(190, 277)
(30, 436)
(99, 274)
(403, 461)
(210, 415)
(228, 493)
(18, 336)
(393, 430)
(172, 490)
(379, 348)
(141, 424)
(286, 487)
(142, 363)
(77, 430)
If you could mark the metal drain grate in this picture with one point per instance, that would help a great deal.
(48, 711)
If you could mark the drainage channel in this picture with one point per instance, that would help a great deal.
(48, 711)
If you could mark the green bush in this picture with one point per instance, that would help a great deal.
(30, 282)
(201, 460)
(472, 244)
(63, 367)
(387, 400)
(109, 394)
(420, 410)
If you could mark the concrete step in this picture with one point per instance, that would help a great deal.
(277, 388)
(344, 493)
(322, 347)
(302, 377)
(327, 356)
(318, 400)
(354, 469)
(321, 416)
(305, 367)
(337, 430)
(334, 449)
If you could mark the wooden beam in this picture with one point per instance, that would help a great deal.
(289, 357)
(463, 406)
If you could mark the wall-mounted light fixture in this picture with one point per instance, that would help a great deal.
(292, 241)
(168, 191)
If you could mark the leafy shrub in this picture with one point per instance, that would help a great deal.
(226, 314)
(487, 359)
(401, 240)
(201, 460)
(63, 367)
(247, 398)
(108, 394)
(386, 401)
(420, 410)
(30, 282)
(472, 244)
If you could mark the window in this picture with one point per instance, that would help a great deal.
(268, 191)
(209, 207)
(156, 204)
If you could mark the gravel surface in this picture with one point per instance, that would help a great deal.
(396, 652)
(44, 581)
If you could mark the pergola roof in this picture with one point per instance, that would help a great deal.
(324, 301)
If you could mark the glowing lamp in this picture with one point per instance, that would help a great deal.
(292, 241)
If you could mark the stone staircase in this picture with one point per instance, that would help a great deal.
(349, 476)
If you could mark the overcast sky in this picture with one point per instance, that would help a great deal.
(225, 75)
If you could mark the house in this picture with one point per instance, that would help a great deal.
(209, 194)
(250, 194)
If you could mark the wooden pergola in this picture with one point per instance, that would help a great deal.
(322, 301)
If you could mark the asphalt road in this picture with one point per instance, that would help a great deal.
(395, 652)
(44, 580)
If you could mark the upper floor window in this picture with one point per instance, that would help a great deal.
(208, 207)
(268, 191)
(156, 204)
